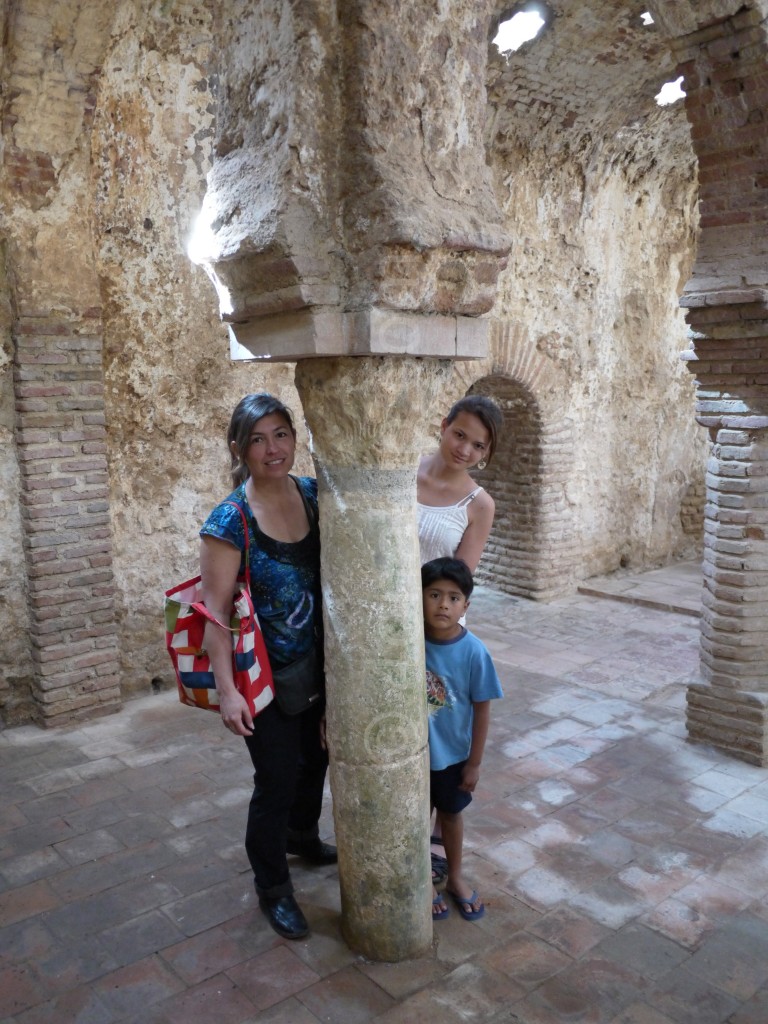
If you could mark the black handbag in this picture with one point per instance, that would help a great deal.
(299, 686)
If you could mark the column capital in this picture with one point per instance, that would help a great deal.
(350, 181)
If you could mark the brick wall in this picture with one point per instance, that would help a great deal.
(61, 439)
(530, 552)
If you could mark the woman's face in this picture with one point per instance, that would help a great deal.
(465, 441)
(271, 448)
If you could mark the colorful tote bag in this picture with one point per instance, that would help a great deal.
(185, 620)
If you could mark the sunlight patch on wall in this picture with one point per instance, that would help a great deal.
(519, 29)
(670, 92)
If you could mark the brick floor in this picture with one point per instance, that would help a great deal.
(625, 871)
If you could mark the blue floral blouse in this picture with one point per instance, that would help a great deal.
(285, 577)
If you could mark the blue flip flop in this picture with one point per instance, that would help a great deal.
(436, 901)
(461, 905)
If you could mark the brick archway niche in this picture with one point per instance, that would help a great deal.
(532, 551)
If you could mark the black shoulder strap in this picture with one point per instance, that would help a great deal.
(308, 506)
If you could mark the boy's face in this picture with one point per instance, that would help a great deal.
(444, 605)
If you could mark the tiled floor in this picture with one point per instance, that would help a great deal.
(625, 872)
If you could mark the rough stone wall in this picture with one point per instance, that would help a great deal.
(604, 228)
(108, 122)
(109, 125)
(170, 385)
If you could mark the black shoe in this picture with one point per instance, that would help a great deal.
(313, 850)
(285, 916)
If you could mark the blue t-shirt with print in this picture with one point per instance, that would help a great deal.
(285, 577)
(459, 672)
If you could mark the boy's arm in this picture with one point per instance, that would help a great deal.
(481, 716)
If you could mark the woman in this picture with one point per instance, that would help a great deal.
(455, 515)
(287, 751)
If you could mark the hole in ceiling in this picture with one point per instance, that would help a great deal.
(647, 18)
(520, 28)
(670, 92)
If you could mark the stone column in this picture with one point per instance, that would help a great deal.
(367, 418)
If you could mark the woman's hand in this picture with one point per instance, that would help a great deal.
(235, 714)
(323, 734)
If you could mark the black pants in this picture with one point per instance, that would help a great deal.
(290, 767)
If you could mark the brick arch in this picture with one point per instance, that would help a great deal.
(532, 548)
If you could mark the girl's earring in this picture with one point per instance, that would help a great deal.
(482, 464)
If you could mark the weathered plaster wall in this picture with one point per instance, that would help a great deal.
(117, 105)
(170, 386)
(594, 282)
(599, 188)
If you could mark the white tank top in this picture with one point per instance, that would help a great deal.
(442, 527)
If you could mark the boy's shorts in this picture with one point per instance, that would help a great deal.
(444, 792)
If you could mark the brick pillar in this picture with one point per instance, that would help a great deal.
(61, 439)
(729, 706)
(724, 62)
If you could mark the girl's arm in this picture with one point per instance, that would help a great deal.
(477, 532)
(481, 716)
(219, 567)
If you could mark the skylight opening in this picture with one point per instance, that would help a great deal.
(670, 92)
(519, 29)
(647, 18)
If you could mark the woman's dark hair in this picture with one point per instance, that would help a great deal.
(486, 411)
(452, 569)
(247, 412)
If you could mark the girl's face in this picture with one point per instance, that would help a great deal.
(271, 448)
(465, 441)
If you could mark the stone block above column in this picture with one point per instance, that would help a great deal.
(320, 331)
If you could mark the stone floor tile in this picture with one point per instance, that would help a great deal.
(708, 896)
(402, 979)
(211, 952)
(20, 988)
(140, 937)
(29, 900)
(471, 992)
(129, 990)
(348, 997)
(88, 846)
(641, 1013)
(77, 1006)
(214, 1001)
(272, 976)
(528, 960)
(609, 903)
(573, 933)
(688, 999)
(97, 876)
(592, 991)
(735, 958)
(651, 954)
(213, 905)
(681, 923)
(753, 1011)
(31, 867)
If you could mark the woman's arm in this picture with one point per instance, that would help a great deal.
(219, 567)
(477, 532)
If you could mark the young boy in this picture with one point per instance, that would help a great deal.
(461, 682)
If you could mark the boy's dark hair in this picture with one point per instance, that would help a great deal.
(452, 569)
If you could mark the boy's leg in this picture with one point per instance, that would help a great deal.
(453, 840)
